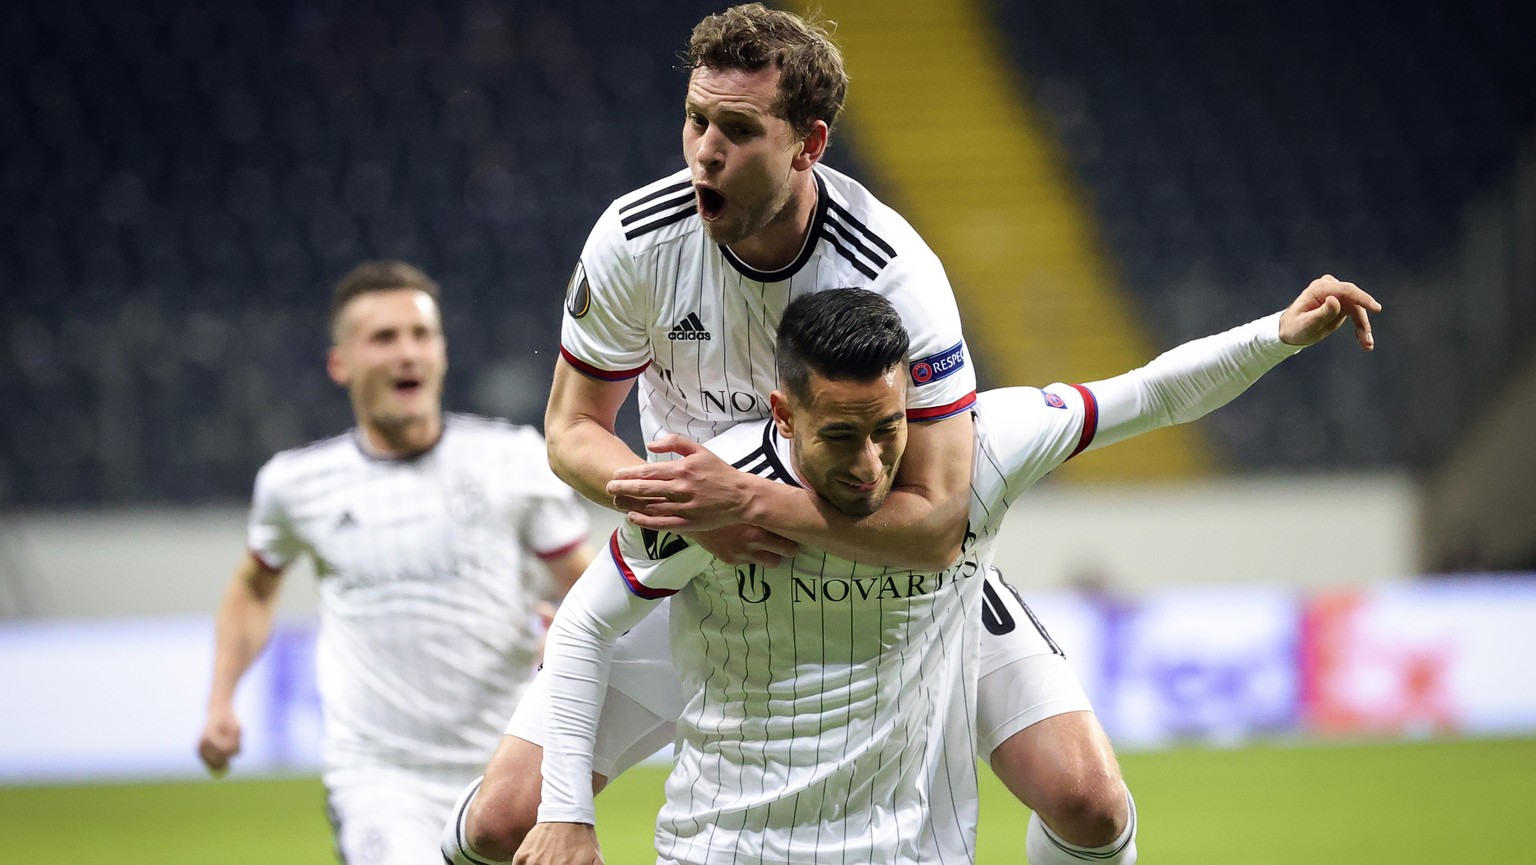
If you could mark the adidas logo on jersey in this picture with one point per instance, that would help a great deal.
(689, 328)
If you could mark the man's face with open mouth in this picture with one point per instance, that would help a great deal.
(738, 149)
(391, 356)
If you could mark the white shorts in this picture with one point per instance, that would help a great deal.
(1024, 678)
(381, 817)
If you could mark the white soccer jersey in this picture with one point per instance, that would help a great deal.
(830, 705)
(654, 297)
(427, 584)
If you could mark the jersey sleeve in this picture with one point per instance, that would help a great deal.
(941, 380)
(603, 331)
(555, 522)
(1029, 432)
(578, 654)
(269, 533)
(1188, 381)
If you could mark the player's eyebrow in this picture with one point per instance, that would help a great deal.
(723, 112)
(845, 426)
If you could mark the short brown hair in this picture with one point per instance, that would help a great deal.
(371, 276)
(812, 82)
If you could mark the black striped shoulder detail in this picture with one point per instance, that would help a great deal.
(658, 209)
(854, 241)
(765, 462)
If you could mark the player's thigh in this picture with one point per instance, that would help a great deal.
(1024, 677)
(385, 822)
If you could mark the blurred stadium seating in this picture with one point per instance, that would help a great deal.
(180, 182)
(1235, 150)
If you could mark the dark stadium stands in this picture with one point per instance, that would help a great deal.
(1234, 150)
(180, 183)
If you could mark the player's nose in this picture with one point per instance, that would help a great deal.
(866, 467)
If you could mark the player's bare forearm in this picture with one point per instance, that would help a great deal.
(242, 626)
(908, 531)
(579, 421)
(567, 569)
(921, 523)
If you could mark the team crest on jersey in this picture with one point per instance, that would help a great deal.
(578, 292)
(661, 544)
(467, 501)
(1054, 401)
(938, 366)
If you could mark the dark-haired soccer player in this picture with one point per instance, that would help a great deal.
(829, 705)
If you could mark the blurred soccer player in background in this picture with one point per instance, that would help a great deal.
(681, 285)
(424, 528)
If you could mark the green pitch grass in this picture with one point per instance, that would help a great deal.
(1270, 805)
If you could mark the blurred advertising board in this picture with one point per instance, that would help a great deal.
(1451, 656)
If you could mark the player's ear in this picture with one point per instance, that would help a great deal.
(812, 147)
(336, 367)
(783, 418)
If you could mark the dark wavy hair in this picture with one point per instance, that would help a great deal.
(848, 334)
(812, 84)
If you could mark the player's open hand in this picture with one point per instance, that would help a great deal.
(1323, 307)
(560, 844)
(696, 493)
(220, 741)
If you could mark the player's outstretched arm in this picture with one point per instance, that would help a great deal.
(1198, 377)
(242, 628)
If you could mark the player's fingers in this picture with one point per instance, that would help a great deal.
(772, 544)
(651, 507)
(645, 470)
(214, 757)
(672, 443)
(646, 521)
(759, 557)
(1354, 294)
(1363, 333)
(645, 488)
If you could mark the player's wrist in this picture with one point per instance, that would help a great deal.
(762, 503)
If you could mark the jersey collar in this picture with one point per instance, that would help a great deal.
(807, 247)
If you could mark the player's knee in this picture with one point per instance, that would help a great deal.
(1091, 810)
(497, 823)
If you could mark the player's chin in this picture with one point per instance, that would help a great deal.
(860, 505)
(722, 230)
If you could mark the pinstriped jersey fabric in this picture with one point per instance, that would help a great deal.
(653, 297)
(427, 580)
(830, 704)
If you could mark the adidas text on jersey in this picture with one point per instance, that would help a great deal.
(691, 327)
